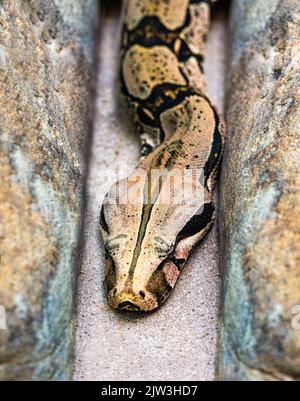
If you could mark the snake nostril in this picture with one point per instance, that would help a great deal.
(114, 291)
(142, 294)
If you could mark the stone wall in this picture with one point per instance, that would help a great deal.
(260, 196)
(46, 75)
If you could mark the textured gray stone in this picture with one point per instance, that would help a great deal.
(260, 196)
(46, 70)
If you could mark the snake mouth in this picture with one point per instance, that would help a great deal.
(128, 305)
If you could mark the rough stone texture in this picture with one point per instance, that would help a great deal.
(260, 196)
(46, 68)
(178, 341)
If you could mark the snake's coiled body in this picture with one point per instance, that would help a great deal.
(148, 239)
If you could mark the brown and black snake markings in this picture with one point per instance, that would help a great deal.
(149, 236)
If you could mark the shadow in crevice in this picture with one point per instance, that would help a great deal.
(86, 149)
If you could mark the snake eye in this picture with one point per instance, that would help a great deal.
(111, 248)
(162, 246)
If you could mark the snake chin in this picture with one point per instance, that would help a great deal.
(129, 301)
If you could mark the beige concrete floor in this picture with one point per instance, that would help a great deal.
(178, 341)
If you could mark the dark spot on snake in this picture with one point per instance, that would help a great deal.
(110, 279)
(197, 223)
(158, 284)
(103, 222)
(216, 149)
(178, 262)
(145, 118)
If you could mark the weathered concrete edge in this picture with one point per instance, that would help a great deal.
(229, 364)
(57, 362)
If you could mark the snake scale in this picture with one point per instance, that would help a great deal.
(149, 237)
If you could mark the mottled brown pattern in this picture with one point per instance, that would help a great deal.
(145, 68)
(171, 13)
(173, 205)
(194, 35)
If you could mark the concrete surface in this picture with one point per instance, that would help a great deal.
(47, 60)
(178, 341)
(260, 198)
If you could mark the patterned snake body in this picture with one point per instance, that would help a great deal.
(148, 239)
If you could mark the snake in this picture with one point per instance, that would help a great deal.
(151, 220)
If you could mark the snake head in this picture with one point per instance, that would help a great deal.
(147, 243)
